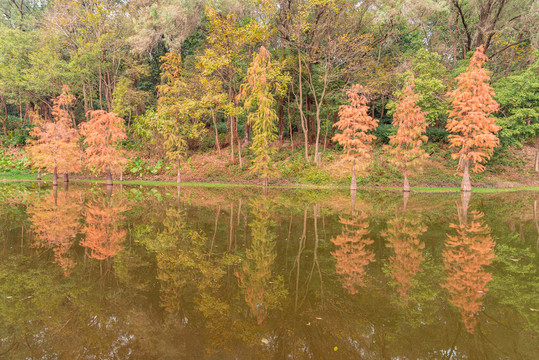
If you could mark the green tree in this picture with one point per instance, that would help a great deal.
(518, 95)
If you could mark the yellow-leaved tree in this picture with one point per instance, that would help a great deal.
(406, 145)
(356, 129)
(473, 131)
(103, 133)
(55, 147)
(175, 109)
(263, 80)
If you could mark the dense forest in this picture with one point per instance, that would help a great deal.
(269, 89)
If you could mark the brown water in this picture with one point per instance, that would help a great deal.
(194, 273)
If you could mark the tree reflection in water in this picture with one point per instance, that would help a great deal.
(104, 233)
(262, 291)
(55, 223)
(353, 253)
(404, 237)
(465, 257)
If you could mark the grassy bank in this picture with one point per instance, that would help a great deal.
(421, 189)
(509, 170)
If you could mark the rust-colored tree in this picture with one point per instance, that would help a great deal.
(353, 253)
(473, 132)
(55, 147)
(103, 232)
(356, 126)
(403, 235)
(103, 133)
(465, 256)
(407, 151)
(55, 223)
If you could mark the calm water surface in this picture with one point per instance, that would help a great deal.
(165, 273)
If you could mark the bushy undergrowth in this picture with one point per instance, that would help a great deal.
(14, 163)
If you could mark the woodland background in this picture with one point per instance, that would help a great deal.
(111, 53)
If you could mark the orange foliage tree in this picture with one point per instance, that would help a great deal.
(403, 235)
(103, 233)
(55, 223)
(102, 133)
(55, 146)
(473, 131)
(353, 254)
(411, 125)
(465, 257)
(356, 126)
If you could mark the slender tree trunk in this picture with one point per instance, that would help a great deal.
(179, 177)
(109, 177)
(406, 186)
(537, 156)
(38, 174)
(246, 135)
(353, 184)
(300, 106)
(216, 132)
(231, 120)
(466, 184)
(85, 98)
(66, 177)
(265, 181)
(239, 148)
(4, 115)
(281, 116)
(290, 127)
(55, 177)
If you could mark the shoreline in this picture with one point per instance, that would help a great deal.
(253, 184)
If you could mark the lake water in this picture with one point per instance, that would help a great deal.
(204, 273)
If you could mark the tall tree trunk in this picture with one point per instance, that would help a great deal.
(4, 115)
(109, 177)
(466, 184)
(265, 181)
(280, 114)
(38, 174)
(290, 125)
(300, 106)
(239, 150)
(216, 132)
(406, 187)
(231, 121)
(66, 177)
(85, 98)
(55, 177)
(179, 177)
(246, 135)
(353, 184)
(537, 156)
